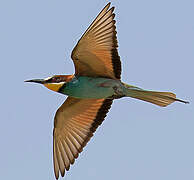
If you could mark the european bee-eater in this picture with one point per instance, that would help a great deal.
(91, 90)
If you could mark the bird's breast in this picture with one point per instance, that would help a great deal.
(90, 87)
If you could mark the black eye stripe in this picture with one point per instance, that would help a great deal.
(56, 79)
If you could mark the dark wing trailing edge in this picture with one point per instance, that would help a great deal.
(75, 122)
(96, 52)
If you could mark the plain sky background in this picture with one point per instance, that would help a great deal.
(137, 141)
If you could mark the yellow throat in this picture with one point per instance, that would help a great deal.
(54, 86)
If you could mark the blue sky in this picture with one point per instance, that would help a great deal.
(137, 140)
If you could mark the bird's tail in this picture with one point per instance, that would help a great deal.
(159, 98)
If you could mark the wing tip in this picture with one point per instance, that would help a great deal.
(108, 4)
(112, 9)
(63, 173)
(56, 174)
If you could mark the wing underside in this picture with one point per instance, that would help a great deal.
(75, 122)
(96, 52)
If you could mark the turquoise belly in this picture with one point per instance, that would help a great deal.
(90, 88)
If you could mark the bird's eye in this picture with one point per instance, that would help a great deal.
(56, 79)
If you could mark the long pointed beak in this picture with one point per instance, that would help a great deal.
(40, 81)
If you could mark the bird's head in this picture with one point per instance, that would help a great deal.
(53, 83)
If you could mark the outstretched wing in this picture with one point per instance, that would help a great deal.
(96, 52)
(75, 122)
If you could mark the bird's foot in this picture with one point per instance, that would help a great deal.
(118, 93)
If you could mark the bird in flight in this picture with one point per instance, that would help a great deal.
(91, 90)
